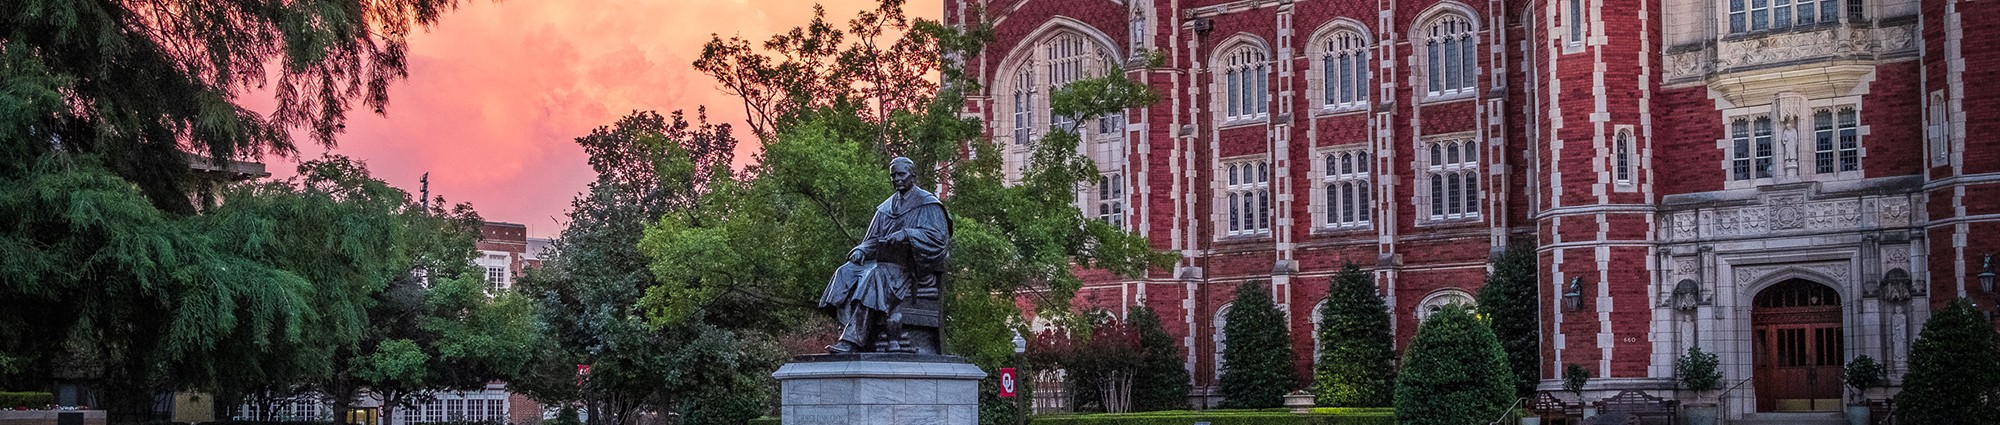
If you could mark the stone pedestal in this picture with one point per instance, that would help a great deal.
(879, 388)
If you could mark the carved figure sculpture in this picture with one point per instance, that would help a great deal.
(904, 253)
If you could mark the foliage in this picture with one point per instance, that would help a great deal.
(1454, 373)
(1574, 378)
(139, 83)
(1954, 375)
(1357, 358)
(271, 290)
(831, 110)
(1257, 366)
(1100, 366)
(817, 67)
(1698, 370)
(1509, 301)
(1161, 382)
(1320, 416)
(709, 363)
(29, 399)
(1863, 373)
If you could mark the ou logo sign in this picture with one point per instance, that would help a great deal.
(1006, 382)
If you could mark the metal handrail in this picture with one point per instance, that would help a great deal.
(1722, 399)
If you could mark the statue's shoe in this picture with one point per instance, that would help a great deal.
(842, 347)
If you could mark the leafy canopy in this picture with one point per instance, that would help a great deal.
(140, 83)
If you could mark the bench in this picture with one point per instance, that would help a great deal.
(1644, 408)
(1554, 411)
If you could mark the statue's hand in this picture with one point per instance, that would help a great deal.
(855, 256)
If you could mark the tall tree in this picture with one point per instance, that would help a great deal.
(139, 83)
(1357, 357)
(1511, 305)
(1954, 375)
(1162, 381)
(708, 365)
(1454, 373)
(1257, 366)
(799, 209)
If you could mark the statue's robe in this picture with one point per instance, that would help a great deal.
(890, 271)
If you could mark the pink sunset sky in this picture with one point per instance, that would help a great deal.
(498, 91)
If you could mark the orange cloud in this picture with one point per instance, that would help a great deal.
(498, 91)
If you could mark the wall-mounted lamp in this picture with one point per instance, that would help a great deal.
(1573, 297)
(1986, 275)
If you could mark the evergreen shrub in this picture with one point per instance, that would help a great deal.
(1162, 383)
(1357, 358)
(1509, 302)
(1228, 417)
(28, 399)
(1455, 373)
(1257, 363)
(1954, 375)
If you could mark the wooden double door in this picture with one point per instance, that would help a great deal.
(1799, 348)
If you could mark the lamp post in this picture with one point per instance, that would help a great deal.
(1573, 296)
(1020, 403)
(1986, 275)
(1986, 282)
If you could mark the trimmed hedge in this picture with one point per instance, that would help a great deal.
(1320, 416)
(28, 399)
(767, 420)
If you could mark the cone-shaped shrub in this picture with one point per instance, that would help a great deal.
(1357, 357)
(1954, 370)
(1455, 373)
(1162, 383)
(1509, 302)
(1257, 363)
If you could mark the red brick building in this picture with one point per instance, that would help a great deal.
(1788, 183)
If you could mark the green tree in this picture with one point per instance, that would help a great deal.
(1954, 375)
(1257, 366)
(260, 293)
(709, 365)
(1510, 302)
(139, 83)
(1162, 381)
(832, 106)
(1357, 358)
(1455, 372)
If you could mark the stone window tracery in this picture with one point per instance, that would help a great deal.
(1750, 148)
(1836, 140)
(1439, 300)
(1024, 101)
(1622, 156)
(1451, 56)
(1748, 16)
(1248, 197)
(1066, 62)
(1346, 189)
(1452, 176)
(1344, 71)
(1246, 84)
(1111, 199)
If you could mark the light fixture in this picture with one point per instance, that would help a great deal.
(1986, 275)
(1020, 344)
(1573, 298)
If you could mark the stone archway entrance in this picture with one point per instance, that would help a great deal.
(1797, 339)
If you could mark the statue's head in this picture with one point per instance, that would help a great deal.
(901, 175)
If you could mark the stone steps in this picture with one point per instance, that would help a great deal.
(1801, 418)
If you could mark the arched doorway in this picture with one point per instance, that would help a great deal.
(1797, 338)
